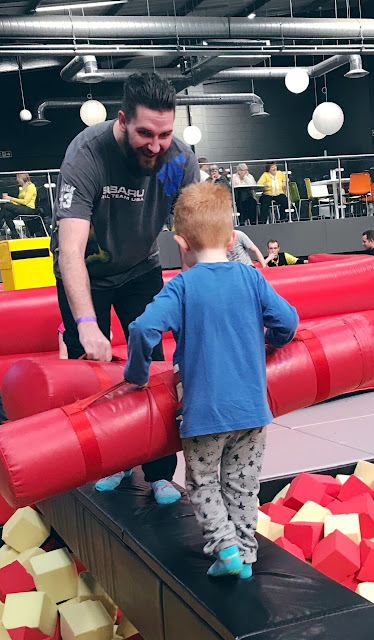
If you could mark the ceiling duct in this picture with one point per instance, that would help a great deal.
(8, 65)
(197, 99)
(88, 64)
(120, 27)
(356, 70)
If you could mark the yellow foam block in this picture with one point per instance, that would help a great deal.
(366, 590)
(90, 589)
(341, 478)
(88, 620)
(33, 609)
(349, 524)
(67, 603)
(263, 522)
(125, 628)
(275, 531)
(311, 512)
(365, 471)
(1, 609)
(281, 493)
(55, 573)
(4, 635)
(7, 555)
(25, 529)
(25, 556)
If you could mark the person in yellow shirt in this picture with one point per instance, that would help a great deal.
(276, 258)
(274, 182)
(24, 204)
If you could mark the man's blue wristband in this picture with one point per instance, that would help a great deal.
(86, 319)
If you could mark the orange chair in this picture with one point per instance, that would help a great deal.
(359, 189)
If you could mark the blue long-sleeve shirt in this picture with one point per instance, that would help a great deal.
(217, 312)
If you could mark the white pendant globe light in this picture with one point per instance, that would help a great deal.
(192, 135)
(297, 80)
(316, 135)
(92, 112)
(25, 115)
(328, 118)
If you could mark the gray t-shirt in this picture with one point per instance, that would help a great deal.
(241, 248)
(126, 211)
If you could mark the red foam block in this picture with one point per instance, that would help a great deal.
(366, 573)
(25, 633)
(305, 535)
(332, 487)
(363, 505)
(336, 556)
(14, 579)
(290, 547)
(351, 583)
(6, 511)
(326, 500)
(278, 513)
(302, 488)
(354, 487)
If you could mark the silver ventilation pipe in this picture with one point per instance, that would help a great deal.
(120, 27)
(197, 99)
(356, 70)
(28, 64)
(88, 63)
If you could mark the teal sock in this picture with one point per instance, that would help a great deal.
(164, 492)
(228, 563)
(110, 482)
(246, 572)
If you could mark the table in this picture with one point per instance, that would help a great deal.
(334, 183)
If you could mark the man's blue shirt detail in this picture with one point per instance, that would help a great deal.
(171, 174)
(217, 312)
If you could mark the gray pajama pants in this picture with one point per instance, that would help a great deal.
(222, 483)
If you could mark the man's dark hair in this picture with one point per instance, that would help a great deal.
(369, 234)
(202, 161)
(269, 241)
(267, 169)
(148, 90)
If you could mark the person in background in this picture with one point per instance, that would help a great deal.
(241, 250)
(246, 203)
(223, 417)
(115, 190)
(274, 182)
(204, 168)
(276, 258)
(216, 178)
(24, 204)
(368, 242)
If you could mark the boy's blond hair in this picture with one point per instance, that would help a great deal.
(203, 215)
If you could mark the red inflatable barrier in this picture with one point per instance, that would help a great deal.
(91, 438)
(332, 257)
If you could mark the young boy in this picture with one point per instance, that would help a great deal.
(221, 369)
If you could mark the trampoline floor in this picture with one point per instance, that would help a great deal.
(327, 435)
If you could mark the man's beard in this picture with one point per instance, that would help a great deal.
(137, 158)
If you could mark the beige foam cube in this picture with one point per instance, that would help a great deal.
(90, 589)
(25, 529)
(67, 603)
(125, 628)
(33, 609)
(366, 590)
(341, 478)
(281, 493)
(365, 471)
(25, 556)
(275, 531)
(1, 609)
(4, 635)
(311, 512)
(349, 524)
(88, 620)
(263, 522)
(7, 555)
(55, 573)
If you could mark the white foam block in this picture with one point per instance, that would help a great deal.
(366, 590)
(311, 512)
(4, 635)
(7, 555)
(25, 556)
(55, 573)
(25, 529)
(67, 603)
(349, 524)
(275, 531)
(88, 620)
(90, 589)
(365, 471)
(33, 609)
(263, 522)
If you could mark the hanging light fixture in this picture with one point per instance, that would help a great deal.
(92, 112)
(192, 135)
(25, 115)
(328, 118)
(316, 135)
(297, 80)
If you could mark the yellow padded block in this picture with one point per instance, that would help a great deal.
(55, 573)
(263, 522)
(349, 524)
(90, 589)
(25, 529)
(365, 471)
(311, 512)
(25, 556)
(33, 609)
(88, 620)
(7, 555)
(366, 590)
(281, 493)
(125, 628)
(275, 531)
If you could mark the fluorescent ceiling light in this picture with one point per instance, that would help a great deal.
(78, 5)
